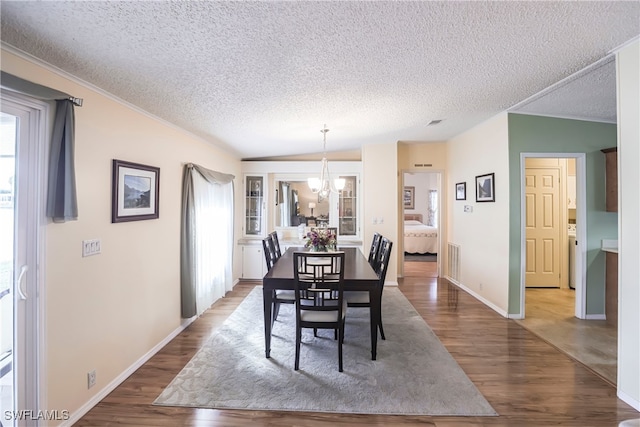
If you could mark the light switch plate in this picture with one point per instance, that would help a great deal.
(91, 247)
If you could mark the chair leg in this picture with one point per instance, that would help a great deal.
(276, 310)
(298, 339)
(381, 330)
(340, 341)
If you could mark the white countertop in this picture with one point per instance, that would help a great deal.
(609, 245)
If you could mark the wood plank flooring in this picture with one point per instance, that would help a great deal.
(526, 380)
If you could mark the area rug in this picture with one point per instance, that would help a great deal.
(414, 373)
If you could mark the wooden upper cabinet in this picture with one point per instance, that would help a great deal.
(611, 187)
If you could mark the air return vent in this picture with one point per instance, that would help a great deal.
(453, 263)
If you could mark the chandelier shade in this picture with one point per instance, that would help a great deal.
(324, 185)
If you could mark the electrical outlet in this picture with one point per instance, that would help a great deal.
(91, 378)
(480, 286)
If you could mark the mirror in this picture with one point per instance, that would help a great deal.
(293, 209)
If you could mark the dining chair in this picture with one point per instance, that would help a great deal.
(373, 251)
(267, 245)
(276, 244)
(319, 293)
(280, 296)
(361, 298)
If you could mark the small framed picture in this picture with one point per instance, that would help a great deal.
(485, 188)
(135, 191)
(461, 191)
(409, 197)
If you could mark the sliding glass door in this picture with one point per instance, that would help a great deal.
(21, 170)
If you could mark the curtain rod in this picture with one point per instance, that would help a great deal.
(35, 90)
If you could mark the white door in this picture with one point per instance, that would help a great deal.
(542, 227)
(21, 132)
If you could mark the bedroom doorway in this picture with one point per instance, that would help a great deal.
(421, 222)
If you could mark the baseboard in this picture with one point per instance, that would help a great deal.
(75, 416)
(634, 403)
(480, 298)
(595, 317)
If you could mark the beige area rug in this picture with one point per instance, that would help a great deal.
(414, 373)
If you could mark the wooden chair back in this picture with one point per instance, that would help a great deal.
(373, 251)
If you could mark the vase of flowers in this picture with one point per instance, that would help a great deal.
(321, 240)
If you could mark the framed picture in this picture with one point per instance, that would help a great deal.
(409, 197)
(461, 191)
(135, 190)
(485, 188)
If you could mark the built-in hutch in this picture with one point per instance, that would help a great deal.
(277, 198)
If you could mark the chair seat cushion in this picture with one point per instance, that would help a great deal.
(322, 316)
(357, 297)
(286, 294)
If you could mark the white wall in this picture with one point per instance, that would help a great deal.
(483, 235)
(107, 311)
(380, 186)
(628, 91)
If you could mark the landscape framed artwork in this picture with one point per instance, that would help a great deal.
(135, 191)
(461, 191)
(409, 197)
(485, 188)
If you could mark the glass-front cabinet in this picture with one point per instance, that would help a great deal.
(255, 201)
(348, 207)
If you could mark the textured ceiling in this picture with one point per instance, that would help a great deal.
(261, 78)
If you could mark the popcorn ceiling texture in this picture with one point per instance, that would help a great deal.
(263, 77)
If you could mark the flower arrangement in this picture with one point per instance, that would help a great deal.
(321, 239)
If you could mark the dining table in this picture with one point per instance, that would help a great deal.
(358, 276)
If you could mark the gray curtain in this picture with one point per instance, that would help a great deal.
(187, 234)
(62, 204)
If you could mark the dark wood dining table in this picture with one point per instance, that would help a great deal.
(358, 276)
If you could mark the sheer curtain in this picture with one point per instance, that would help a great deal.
(207, 238)
(432, 213)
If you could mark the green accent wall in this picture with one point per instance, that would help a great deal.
(535, 134)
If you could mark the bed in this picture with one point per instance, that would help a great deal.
(419, 238)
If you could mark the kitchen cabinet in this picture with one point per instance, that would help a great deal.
(254, 265)
(611, 176)
(348, 207)
(254, 205)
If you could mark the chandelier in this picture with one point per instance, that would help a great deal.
(324, 185)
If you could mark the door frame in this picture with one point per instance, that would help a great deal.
(581, 228)
(441, 201)
(40, 120)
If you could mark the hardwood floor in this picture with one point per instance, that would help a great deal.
(549, 313)
(527, 381)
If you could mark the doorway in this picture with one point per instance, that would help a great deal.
(421, 224)
(553, 216)
(23, 124)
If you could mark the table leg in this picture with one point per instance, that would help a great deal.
(374, 299)
(267, 298)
